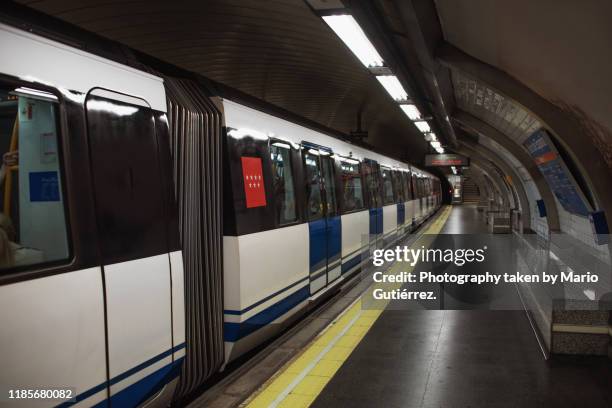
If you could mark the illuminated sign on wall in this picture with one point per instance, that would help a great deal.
(439, 160)
(556, 173)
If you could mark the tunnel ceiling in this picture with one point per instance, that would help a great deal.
(276, 50)
(559, 49)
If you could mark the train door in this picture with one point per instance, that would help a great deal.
(401, 206)
(133, 244)
(323, 217)
(371, 171)
(416, 195)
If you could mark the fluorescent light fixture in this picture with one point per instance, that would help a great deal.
(411, 111)
(393, 87)
(430, 137)
(423, 126)
(440, 150)
(355, 39)
(454, 169)
(435, 144)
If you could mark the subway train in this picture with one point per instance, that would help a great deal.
(156, 226)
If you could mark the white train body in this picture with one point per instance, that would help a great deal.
(105, 314)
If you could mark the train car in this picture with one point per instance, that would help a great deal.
(113, 290)
(91, 292)
(303, 212)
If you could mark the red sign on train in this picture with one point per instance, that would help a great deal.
(254, 189)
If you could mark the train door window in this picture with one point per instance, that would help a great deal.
(352, 190)
(284, 192)
(330, 185)
(126, 175)
(33, 220)
(398, 182)
(314, 203)
(372, 183)
(387, 186)
(407, 185)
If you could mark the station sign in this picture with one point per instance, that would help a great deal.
(441, 160)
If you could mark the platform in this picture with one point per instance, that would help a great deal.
(435, 358)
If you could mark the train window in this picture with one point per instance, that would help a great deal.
(330, 186)
(387, 186)
(32, 221)
(284, 192)
(372, 182)
(126, 179)
(351, 185)
(313, 184)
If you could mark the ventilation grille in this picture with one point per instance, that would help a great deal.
(195, 134)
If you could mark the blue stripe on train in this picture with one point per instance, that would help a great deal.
(141, 390)
(234, 331)
(351, 263)
(317, 231)
(334, 239)
(401, 213)
(259, 302)
(376, 221)
(325, 241)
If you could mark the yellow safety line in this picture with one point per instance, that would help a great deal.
(302, 379)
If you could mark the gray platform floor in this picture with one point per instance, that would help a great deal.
(463, 358)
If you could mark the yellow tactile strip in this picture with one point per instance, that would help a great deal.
(302, 379)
